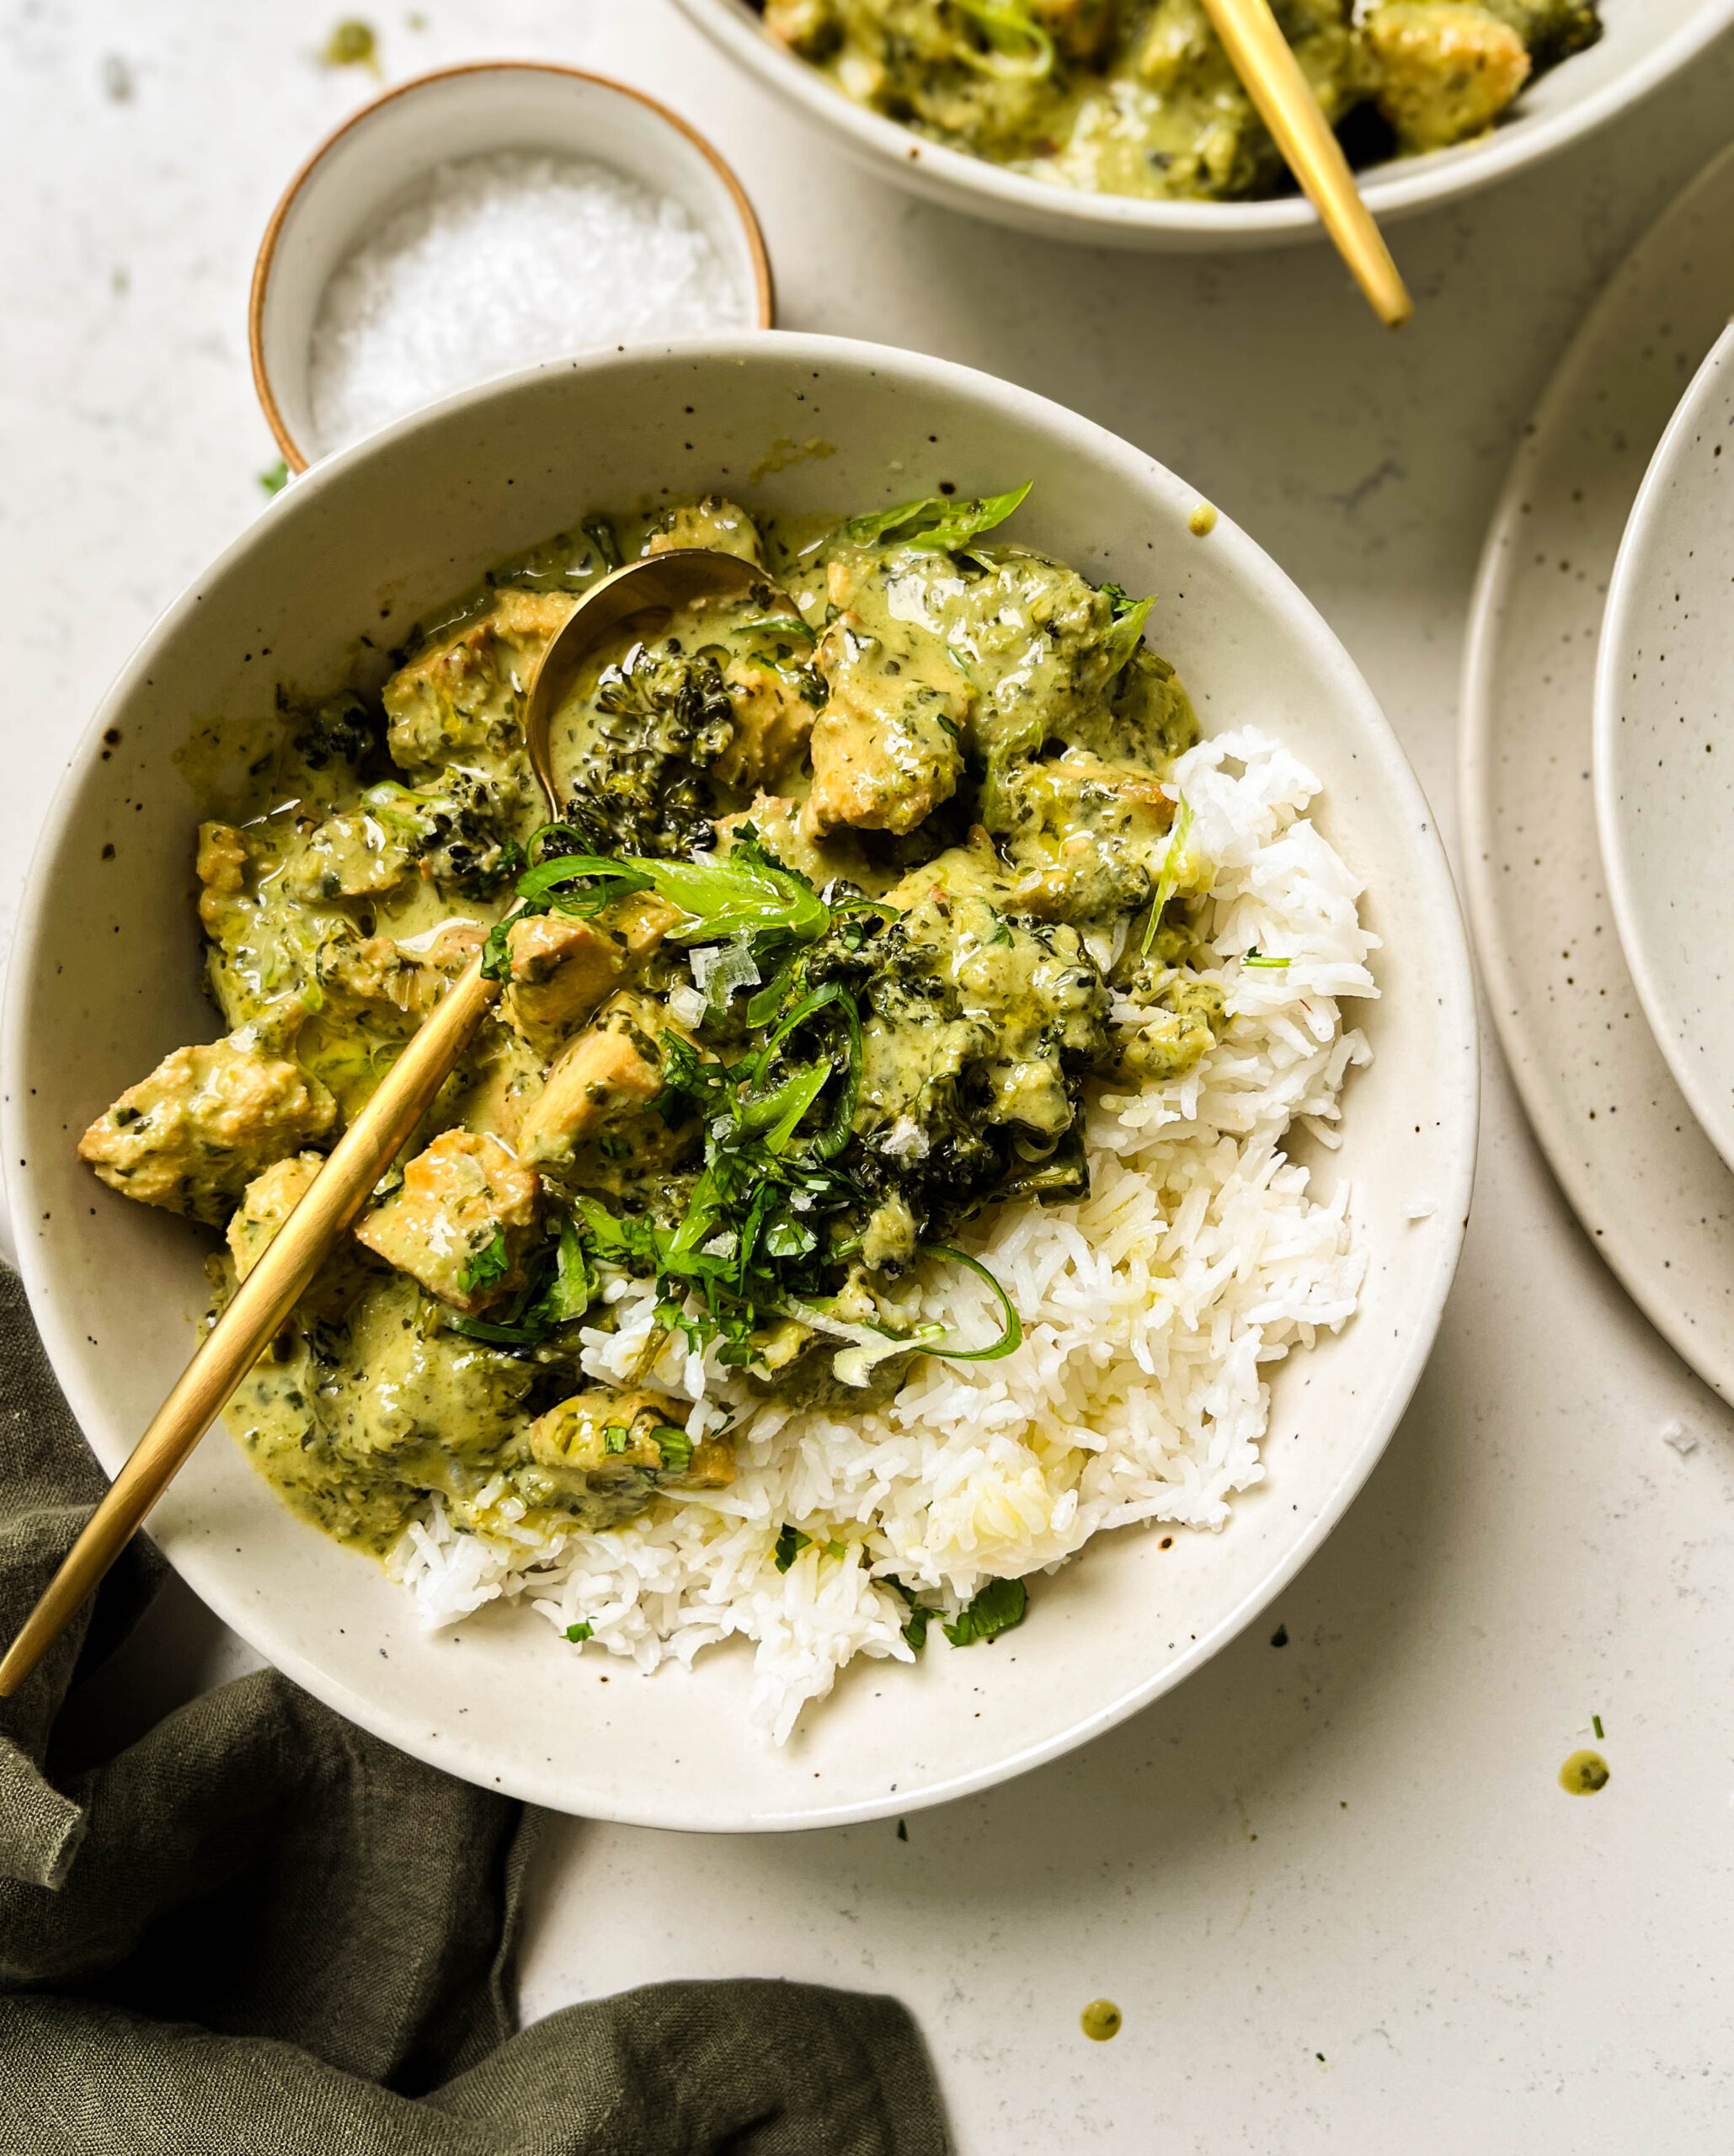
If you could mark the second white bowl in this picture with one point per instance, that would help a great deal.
(1647, 42)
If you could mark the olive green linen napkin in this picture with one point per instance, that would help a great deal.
(259, 1929)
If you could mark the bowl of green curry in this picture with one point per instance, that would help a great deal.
(1120, 123)
(352, 582)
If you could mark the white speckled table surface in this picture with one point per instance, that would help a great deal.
(1334, 1885)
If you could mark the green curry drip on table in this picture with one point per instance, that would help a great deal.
(1138, 96)
(911, 834)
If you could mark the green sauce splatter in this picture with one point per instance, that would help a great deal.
(1583, 1773)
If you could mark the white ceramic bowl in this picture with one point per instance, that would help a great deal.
(105, 979)
(382, 154)
(1664, 745)
(1647, 42)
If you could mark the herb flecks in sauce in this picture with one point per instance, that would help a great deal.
(858, 884)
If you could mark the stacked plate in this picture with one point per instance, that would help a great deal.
(1664, 746)
(1597, 782)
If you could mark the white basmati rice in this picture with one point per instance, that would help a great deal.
(1149, 1312)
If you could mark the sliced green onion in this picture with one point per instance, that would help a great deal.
(1171, 873)
(1009, 1341)
(1019, 49)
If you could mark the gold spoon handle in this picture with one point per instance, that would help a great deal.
(260, 1303)
(1277, 84)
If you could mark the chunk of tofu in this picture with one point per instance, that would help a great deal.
(461, 1221)
(561, 969)
(270, 1200)
(1445, 71)
(772, 724)
(207, 1120)
(463, 695)
(888, 747)
(715, 522)
(352, 855)
(221, 870)
(607, 1074)
(602, 1430)
(776, 818)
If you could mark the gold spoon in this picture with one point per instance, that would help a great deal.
(1277, 84)
(641, 596)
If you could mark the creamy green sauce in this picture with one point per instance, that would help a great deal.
(963, 749)
(1138, 96)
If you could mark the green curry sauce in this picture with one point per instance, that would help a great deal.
(905, 812)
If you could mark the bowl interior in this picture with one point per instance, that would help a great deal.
(105, 981)
(1645, 41)
(1665, 744)
(379, 159)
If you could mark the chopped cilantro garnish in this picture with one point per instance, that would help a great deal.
(488, 1266)
(1001, 1604)
(674, 1446)
(577, 1632)
(276, 479)
(915, 1626)
(789, 1543)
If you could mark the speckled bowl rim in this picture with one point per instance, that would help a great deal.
(971, 184)
(764, 282)
(1680, 1038)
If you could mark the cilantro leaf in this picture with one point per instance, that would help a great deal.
(1126, 635)
(789, 1545)
(577, 1632)
(933, 522)
(914, 1627)
(487, 1267)
(1001, 1604)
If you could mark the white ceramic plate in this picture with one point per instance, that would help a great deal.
(1647, 42)
(105, 981)
(1649, 1187)
(1664, 745)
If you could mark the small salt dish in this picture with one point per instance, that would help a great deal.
(398, 149)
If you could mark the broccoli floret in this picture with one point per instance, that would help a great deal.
(343, 731)
(661, 718)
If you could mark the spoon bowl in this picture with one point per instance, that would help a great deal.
(643, 596)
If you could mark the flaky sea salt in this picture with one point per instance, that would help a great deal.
(498, 261)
